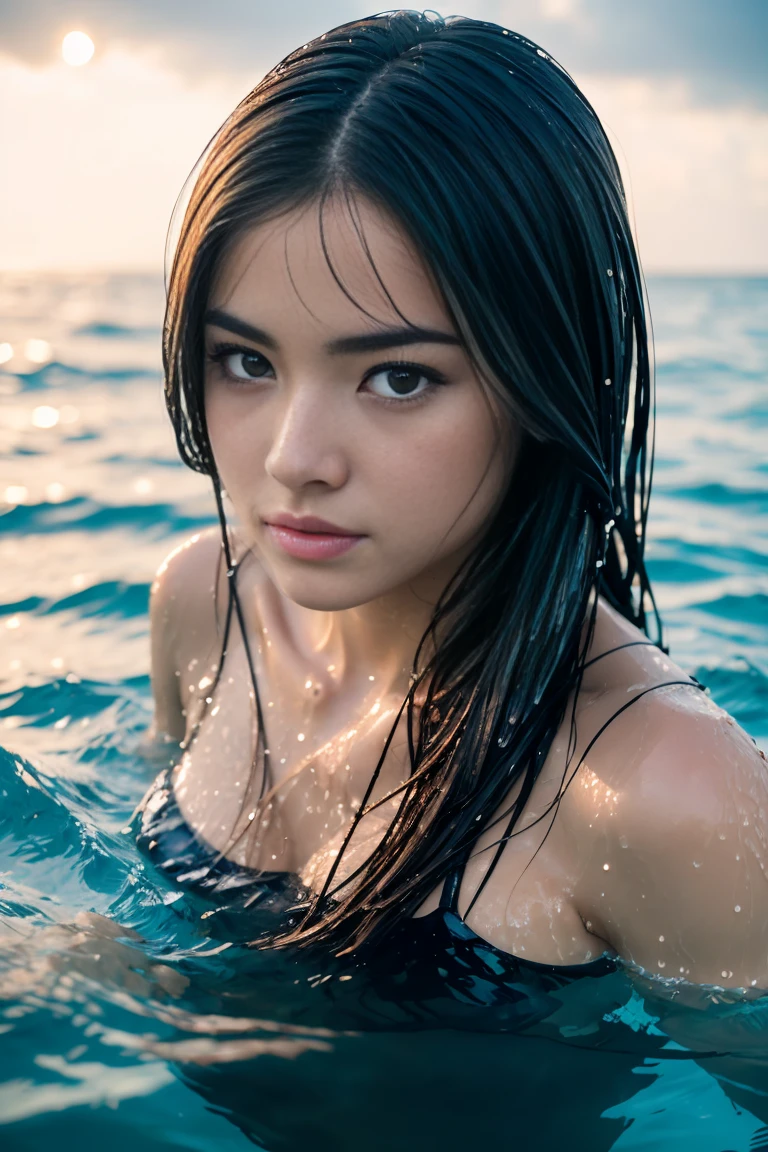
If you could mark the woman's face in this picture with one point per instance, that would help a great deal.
(375, 425)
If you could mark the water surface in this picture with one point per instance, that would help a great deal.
(124, 1015)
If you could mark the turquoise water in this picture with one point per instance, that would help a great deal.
(123, 1016)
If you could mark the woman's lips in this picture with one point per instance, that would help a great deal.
(310, 545)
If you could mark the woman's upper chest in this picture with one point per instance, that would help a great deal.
(321, 751)
(530, 905)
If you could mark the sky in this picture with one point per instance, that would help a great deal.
(92, 158)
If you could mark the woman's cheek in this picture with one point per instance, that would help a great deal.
(237, 440)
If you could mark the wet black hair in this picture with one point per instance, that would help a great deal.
(498, 170)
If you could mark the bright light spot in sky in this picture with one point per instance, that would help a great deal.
(77, 48)
(38, 351)
(6, 353)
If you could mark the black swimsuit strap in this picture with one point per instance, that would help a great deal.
(449, 896)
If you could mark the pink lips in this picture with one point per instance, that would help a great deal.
(309, 538)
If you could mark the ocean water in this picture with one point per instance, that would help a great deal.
(123, 1016)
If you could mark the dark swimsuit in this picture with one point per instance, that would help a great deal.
(191, 863)
(433, 966)
(469, 967)
(458, 998)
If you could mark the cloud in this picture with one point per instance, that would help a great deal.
(239, 35)
(716, 48)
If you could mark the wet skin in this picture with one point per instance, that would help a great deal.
(657, 850)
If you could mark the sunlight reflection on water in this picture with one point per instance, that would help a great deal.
(94, 497)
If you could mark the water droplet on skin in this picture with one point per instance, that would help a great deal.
(606, 867)
(697, 863)
(371, 677)
(308, 684)
(623, 841)
(722, 836)
(737, 908)
(661, 963)
(300, 737)
(724, 975)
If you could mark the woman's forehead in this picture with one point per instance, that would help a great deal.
(303, 260)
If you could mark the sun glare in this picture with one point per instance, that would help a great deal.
(77, 48)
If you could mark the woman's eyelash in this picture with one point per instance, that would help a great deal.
(220, 352)
(434, 380)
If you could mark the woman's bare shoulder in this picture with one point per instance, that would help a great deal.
(186, 599)
(677, 803)
(193, 561)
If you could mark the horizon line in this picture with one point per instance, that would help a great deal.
(724, 272)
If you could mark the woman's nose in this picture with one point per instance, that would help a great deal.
(307, 445)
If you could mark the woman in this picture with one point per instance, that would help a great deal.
(412, 676)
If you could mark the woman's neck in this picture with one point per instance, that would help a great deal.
(372, 642)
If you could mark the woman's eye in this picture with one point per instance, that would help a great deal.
(242, 365)
(400, 381)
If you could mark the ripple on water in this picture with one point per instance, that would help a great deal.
(112, 989)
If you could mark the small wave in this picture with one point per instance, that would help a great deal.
(742, 609)
(57, 372)
(673, 570)
(89, 515)
(725, 494)
(703, 367)
(106, 331)
(35, 826)
(108, 598)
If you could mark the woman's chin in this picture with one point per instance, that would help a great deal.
(325, 595)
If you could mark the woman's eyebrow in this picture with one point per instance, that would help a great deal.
(364, 342)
